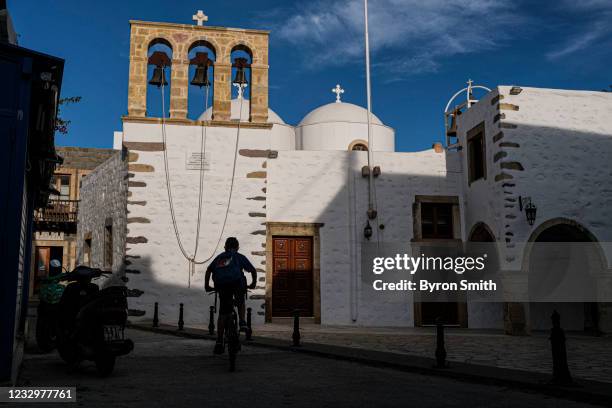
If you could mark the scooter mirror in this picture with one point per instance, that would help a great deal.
(55, 263)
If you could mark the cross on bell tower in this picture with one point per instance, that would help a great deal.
(200, 18)
(338, 91)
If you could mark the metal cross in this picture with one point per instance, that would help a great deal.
(240, 89)
(200, 17)
(338, 91)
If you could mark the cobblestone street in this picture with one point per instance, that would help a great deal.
(170, 371)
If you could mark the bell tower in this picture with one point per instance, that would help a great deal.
(181, 38)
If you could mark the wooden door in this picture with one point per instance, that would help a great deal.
(292, 276)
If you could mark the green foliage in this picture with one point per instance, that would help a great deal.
(61, 125)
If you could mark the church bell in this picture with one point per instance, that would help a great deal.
(161, 61)
(240, 78)
(200, 78)
(201, 61)
(159, 77)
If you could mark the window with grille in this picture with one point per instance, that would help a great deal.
(477, 168)
(437, 220)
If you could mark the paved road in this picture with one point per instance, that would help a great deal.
(168, 371)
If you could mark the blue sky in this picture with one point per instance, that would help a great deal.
(422, 52)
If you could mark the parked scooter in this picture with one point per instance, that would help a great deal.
(92, 321)
(47, 320)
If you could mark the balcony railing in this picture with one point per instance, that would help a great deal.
(58, 215)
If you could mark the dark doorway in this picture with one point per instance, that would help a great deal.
(561, 254)
(41, 268)
(292, 276)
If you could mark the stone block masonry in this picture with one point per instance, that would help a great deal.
(181, 38)
(103, 208)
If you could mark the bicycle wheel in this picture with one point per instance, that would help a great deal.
(232, 340)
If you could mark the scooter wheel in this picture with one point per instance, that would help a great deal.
(105, 364)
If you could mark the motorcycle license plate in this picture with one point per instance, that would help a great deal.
(112, 333)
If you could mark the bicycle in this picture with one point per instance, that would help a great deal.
(231, 333)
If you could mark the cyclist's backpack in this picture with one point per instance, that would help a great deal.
(227, 269)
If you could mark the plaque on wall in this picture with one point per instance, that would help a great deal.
(197, 161)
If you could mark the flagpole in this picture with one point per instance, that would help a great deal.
(369, 98)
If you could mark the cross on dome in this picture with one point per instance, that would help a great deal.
(338, 91)
(200, 18)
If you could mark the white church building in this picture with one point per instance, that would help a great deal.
(304, 200)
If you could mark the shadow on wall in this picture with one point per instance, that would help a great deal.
(563, 171)
(566, 175)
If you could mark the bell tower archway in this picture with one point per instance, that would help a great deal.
(181, 38)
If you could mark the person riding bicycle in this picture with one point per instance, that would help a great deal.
(230, 283)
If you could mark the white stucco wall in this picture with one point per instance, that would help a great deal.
(563, 141)
(163, 272)
(327, 187)
(564, 145)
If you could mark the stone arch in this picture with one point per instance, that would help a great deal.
(209, 43)
(480, 229)
(199, 100)
(481, 312)
(554, 222)
(356, 143)
(242, 45)
(151, 41)
(548, 269)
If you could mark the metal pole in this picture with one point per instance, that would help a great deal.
(156, 316)
(181, 323)
(369, 99)
(561, 374)
(296, 328)
(211, 321)
(249, 331)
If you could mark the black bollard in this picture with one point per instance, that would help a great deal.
(181, 323)
(156, 316)
(249, 331)
(561, 374)
(296, 328)
(211, 321)
(440, 348)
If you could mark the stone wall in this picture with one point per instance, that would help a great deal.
(181, 38)
(104, 202)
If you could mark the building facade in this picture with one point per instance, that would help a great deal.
(31, 85)
(300, 201)
(55, 225)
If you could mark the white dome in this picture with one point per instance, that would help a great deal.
(272, 116)
(339, 112)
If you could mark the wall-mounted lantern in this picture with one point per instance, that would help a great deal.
(530, 209)
(367, 231)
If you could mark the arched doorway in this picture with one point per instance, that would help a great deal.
(561, 259)
(481, 313)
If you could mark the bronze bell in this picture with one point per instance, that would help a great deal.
(161, 61)
(240, 64)
(200, 78)
(159, 77)
(202, 63)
